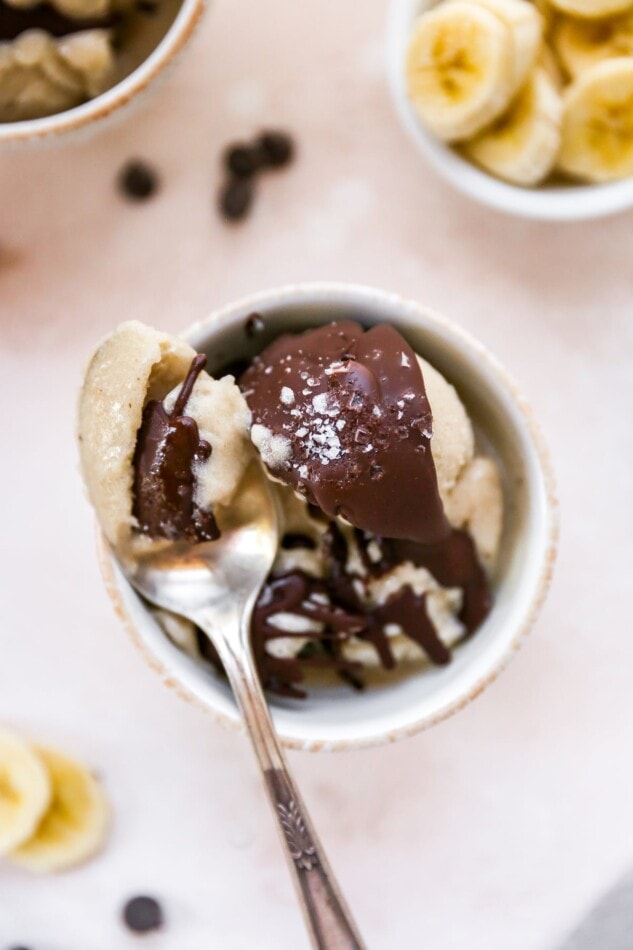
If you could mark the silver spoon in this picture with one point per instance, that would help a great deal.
(215, 585)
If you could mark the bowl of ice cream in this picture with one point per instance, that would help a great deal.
(524, 106)
(417, 505)
(67, 65)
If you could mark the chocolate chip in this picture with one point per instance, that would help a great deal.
(137, 181)
(277, 148)
(242, 160)
(150, 7)
(254, 325)
(142, 914)
(236, 197)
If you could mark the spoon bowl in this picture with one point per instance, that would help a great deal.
(186, 578)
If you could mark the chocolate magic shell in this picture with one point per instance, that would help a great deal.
(351, 423)
(168, 446)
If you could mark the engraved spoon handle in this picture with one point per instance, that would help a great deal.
(326, 915)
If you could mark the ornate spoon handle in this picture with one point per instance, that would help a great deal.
(326, 915)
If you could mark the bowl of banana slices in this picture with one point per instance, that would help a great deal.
(524, 106)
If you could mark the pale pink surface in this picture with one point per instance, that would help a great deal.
(495, 830)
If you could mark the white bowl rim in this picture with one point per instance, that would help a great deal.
(311, 292)
(110, 101)
(568, 203)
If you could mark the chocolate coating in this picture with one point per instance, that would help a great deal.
(168, 445)
(353, 407)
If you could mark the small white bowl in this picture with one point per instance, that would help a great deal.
(337, 717)
(548, 203)
(155, 45)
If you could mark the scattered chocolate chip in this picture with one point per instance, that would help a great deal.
(254, 325)
(242, 160)
(138, 181)
(150, 7)
(142, 914)
(236, 197)
(277, 149)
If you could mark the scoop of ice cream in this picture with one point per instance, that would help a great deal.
(452, 439)
(41, 74)
(162, 444)
(342, 416)
(469, 484)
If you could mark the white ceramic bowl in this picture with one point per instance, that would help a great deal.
(548, 202)
(153, 45)
(337, 717)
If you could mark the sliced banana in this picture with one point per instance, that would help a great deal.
(76, 823)
(580, 44)
(522, 145)
(597, 126)
(526, 28)
(25, 792)
(459, 69)
(591, 9)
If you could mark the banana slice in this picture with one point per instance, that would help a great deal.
(459, 69)
(522, 145)
(76, 823)
(25, 792)
(526, 28)
(591, 9)
(597, 127)
(581, 44)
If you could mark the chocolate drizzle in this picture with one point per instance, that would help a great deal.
(17, 20)
(336, 604)
(167, 448)
(352, 405)
(453, 562)
(353, 408)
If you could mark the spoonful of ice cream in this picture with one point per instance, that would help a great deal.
(147, 454)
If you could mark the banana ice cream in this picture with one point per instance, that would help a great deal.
(162, 444)
(391, 519)
(528, 91)
(56, 54)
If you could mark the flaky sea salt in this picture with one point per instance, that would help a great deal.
(287, 396)
(274, 449)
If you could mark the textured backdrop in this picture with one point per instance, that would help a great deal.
(497, 830)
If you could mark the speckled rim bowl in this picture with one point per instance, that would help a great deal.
(91, 115)
(337, 717)
(547, 203)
